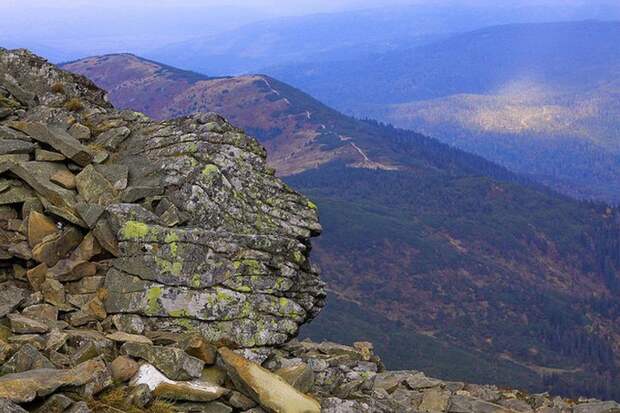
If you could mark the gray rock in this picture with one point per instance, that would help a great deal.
(26, 358)
(173, 362)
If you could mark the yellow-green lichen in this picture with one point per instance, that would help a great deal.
(196, 281)
(152, 300)
(182, 313)
(250, 267)
(224, 296)
(210, 171)
(172, 239)
(244, 289)
(312, 205)
(135, 230)
(298, 257)
(173, 268)
(246, 310)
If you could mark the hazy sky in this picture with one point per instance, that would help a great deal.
(65, 29)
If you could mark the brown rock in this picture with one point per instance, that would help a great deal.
(36, 276)
(123, 368)
(24, 325)
(47, 156)
(39, 227)
(64, 178)
(56, 246)
(53, 292)
(198, 347)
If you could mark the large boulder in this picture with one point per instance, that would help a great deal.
(180, 223)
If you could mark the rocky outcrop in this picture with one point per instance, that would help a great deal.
(146, 261)
(179, 222)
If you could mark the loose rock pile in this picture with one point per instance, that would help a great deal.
(144, 262)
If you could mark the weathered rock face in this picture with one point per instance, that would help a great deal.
(180, 223)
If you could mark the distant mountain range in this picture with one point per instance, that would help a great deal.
(352, 35)
(540, 99)
(452, 263)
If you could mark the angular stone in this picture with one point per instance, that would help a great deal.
(269, 390)
(54, 292)
(25, 325)
(48, 156)
(36, 276)
(37, 175)
(87, 285)
(16, 195)
(106, 237)
(26, 358)
(90, 213)
(39, 227)
(94, 188)
(112, 138)
(197, 346)
(95, 308)
(165, 388)
(140, 395)
(117, 175)
(299, 376)
(135, 193)
(173, 362)
(57, 139)
(80, 132)
(11, 296)
(419, 381)
(65, 179)
(129, 323)
(42, 312)
(14, 147)
(55, 340)
(87, 351)
(72, 270)
(56, 246)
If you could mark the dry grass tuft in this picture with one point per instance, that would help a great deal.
(58, 88)
(74, 105)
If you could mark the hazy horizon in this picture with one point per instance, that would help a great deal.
(70, 29)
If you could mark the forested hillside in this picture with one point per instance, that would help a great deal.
(541, 99)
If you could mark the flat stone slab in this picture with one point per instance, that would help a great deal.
(269, 390)
(57, 139)
(25, 387)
